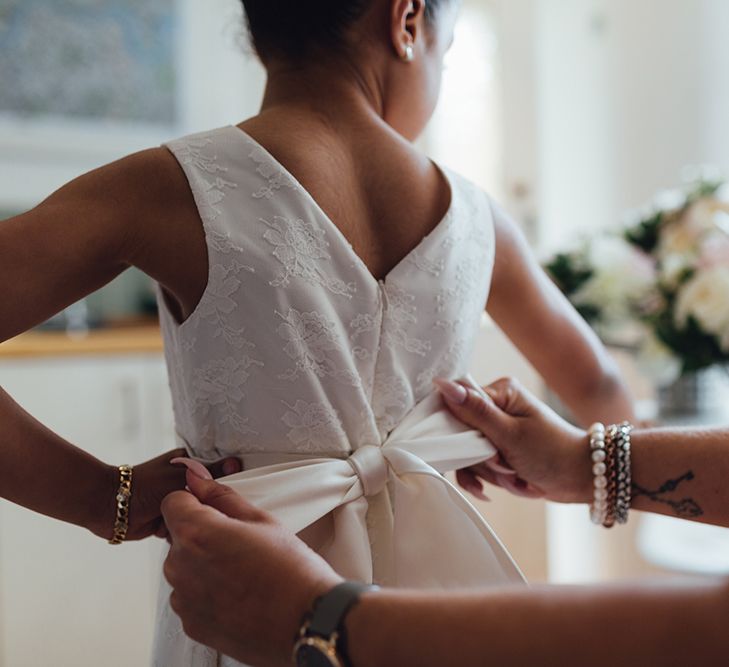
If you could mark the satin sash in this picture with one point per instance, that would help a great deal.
(395, 518)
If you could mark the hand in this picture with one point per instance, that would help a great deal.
(241, 582)
(151, 482)
(541, 455)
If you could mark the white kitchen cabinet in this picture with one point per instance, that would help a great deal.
(66, 597)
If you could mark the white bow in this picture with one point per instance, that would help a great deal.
(422, 533)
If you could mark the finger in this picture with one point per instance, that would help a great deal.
(179, 509)
(161, 531)
(476, 410)
(225, 467)
(193, 466)
(485, 473)
(224, 499)
(511, 397)
(496, 464)
(519, 487)
(468, 480)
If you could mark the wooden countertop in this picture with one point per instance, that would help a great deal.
(140, 339)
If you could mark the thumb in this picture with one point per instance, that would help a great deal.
(223, 499)
(474, 408)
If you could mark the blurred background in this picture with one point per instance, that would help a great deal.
(571, 112)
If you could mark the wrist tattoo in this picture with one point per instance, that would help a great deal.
(685, 508)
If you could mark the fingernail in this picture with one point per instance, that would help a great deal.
(195, 467)
(451, 390)
(470, 380)
(230, 467)
(494, 464)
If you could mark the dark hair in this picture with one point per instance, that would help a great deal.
(295, 28)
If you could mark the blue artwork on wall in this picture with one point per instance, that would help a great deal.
(89, 59)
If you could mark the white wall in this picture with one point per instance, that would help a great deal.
(629, 92)
(220, 84)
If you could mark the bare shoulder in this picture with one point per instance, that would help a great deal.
(142, 182)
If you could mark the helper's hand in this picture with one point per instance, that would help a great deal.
(241, 582)
(151, 482)
(548, 457)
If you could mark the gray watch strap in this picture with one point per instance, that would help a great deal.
(331, 608)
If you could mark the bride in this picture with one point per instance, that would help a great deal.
(315, 273)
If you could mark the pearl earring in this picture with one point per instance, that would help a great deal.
(409, 53)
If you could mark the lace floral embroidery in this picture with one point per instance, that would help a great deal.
(313, 427)
(434, 268)
(208, 193)
(448, 365)
(218, 387)
(218, 303)
(190, 154)
(360, 324)
(400, 313)
(312, 343)
(390, 401)
(302, 248)
(463, 289)
(276, 177)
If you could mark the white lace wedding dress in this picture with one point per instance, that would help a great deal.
(319, 377)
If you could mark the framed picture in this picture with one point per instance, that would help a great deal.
(85, 82)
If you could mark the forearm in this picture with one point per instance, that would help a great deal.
(41, 471)
(602, 396)
(668, 625)
(682, 473)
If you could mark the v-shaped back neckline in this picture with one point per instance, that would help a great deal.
(417, 248)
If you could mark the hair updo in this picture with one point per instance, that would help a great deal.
(295, 28)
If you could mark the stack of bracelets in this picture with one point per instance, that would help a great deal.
(610, 449)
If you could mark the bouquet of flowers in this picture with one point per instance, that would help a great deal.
(661, 284)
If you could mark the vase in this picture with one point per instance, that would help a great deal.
(701, 397)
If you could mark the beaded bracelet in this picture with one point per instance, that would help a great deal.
(599, 509)
(611, 458)
(611, 474)
(624, 481)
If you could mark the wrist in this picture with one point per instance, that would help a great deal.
(102, 501)
(365, 647)
(581, 468)
(323, 638)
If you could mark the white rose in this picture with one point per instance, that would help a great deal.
(621, 275)
(706, 298)
(657, 362)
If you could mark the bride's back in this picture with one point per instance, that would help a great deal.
(382, 194)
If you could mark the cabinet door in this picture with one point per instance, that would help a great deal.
(66, 597)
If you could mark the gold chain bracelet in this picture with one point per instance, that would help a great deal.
(123, 496)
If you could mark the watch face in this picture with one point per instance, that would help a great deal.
(311, 656)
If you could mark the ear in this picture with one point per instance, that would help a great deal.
(406, 21)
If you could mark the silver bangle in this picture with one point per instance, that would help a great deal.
(624, 478)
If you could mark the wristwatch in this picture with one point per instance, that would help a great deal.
(322, 640)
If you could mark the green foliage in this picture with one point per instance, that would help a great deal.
(568, 273)
(645, 234)
(695, 349)
(703, 189)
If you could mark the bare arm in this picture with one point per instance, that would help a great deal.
(667, 624)
(84, 235)
(242, 584)
(550, 333)
(678, 472)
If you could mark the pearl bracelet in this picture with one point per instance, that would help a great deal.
(611, 466)
(599, 509)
